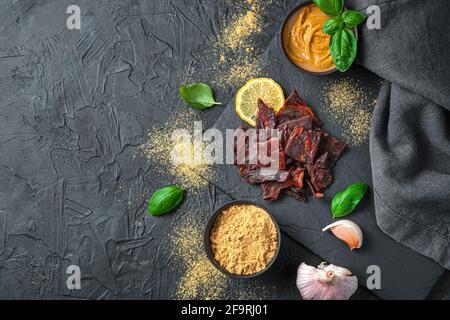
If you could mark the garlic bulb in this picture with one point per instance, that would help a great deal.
(347, 231)
(326, 282)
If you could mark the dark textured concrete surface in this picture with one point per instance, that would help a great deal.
(74, 107)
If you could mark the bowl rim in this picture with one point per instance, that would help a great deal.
(207, 242)
(283, 25)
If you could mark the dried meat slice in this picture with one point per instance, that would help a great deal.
(245, 146)
(320, 178)
(271, 190)
(322, 161)
(294, 145)
(289, 161)
(245, 168)
(316, 193)
(258, 176)
(296, 178)
(271, 154)
(303, 145)
(319, 172)
(295, 193)
(294, 108)
(287, 127)
(334, 147)
(265, 117)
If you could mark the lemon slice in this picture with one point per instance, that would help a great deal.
(247, 97)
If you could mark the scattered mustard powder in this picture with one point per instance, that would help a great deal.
(244, 239)
(233, 56)
(192, 173)
(351, 108)
(199, 279)
(242, 27)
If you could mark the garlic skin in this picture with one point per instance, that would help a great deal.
(326, 282)
(347, 231)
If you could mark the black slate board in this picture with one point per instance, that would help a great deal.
(405, 274)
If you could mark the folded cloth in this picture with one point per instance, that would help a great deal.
(410, 135)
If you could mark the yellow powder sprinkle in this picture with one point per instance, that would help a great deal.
(238, 74)
(351, 108)
(200, 279)
(232, 57)
(244, 239)
(235, 46)
(241, 28)
(244, 72)
(164, 153)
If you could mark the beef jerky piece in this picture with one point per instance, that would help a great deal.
(296, 178)
(303, 145)
(320, 178)
(263, 175)
(287, 127)
(289, 161)
(294, 108)
(311, 140)
(267, 158)
(265, 117)
(295, 193)
(304, 122)
(245, 147)
(298, 164)
(333, 146)
(322, 162)
(245, 168)
(294, 147)
(316, 193)
(271, 190)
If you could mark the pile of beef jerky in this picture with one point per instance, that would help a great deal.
(306, 154)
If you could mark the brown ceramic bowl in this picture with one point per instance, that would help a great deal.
(283, 26)
(207, 241)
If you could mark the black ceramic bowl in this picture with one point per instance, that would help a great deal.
(207, 242)
(283, 26)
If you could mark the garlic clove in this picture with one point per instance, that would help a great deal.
(347, 231)
(326, 282)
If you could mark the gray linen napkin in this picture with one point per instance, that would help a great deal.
(410, 137)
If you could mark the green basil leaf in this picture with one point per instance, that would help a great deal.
(343, 49)
(332, 25)
(330, 7)
(345, 202)
(352, 18)
(198, 95)
(165, 200)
